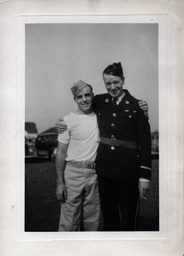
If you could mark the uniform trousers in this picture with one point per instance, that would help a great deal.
(82, 205)
(119, 204)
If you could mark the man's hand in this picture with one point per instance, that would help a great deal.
(61, 126)
(61, 191)
(144, 106)
(143, 188)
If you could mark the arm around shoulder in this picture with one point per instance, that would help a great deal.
(61, 126)
(144, 106)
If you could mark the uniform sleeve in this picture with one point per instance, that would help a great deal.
(144, 139)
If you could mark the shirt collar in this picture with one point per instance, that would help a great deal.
(119, 99)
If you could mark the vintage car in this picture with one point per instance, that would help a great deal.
(53, 157)
(31, 134)
(46, 142)
(155, 144)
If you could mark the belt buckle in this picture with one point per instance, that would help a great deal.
(92, 165)
(113, 140)
(88, 165)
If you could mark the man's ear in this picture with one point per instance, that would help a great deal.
(123, 80)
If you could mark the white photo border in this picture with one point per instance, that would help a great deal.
(130, 241)
(21, 22)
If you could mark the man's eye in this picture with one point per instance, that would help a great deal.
(79, 97)
(88, 95)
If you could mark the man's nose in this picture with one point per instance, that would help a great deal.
(112, 86)
(84, 98)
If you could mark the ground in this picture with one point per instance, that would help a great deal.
(42, 209)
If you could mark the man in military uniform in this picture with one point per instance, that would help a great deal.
(123, 162)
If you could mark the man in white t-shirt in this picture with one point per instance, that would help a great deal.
(77, 186)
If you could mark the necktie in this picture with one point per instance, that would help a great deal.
(114, 100)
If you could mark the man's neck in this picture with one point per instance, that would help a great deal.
(80, 112)
(121, 96)
(119, 99)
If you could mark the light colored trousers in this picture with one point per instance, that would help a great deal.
(82, 205)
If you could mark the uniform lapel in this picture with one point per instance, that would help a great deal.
(125, 101)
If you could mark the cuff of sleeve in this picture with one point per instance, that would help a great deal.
(145, 172)
(143, 179)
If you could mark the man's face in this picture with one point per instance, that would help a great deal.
(84, 100)
(114, 85)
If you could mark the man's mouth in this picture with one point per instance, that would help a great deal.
(113, 92)
(85, 104)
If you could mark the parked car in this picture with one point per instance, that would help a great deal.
(46, 142)
(53, 157)
(31, 134)
(155, 144)
(30, 150)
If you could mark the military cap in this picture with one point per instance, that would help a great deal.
(115, 69)
(78, 87)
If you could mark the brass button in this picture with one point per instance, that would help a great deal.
(112, 125)
(130, 116)
(113, 148)
(114, 114)
(112, 137)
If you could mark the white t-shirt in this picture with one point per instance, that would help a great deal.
(82, 135)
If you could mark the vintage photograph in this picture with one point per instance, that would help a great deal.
(91, 127)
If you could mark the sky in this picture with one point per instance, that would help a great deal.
(59, 54)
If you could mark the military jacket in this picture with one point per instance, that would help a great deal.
(125, 122)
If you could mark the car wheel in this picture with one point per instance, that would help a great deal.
(50, 155)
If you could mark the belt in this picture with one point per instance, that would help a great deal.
(88, 165)
(119, 143)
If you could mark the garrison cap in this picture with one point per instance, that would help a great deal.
(78, 87)
(115, 69)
